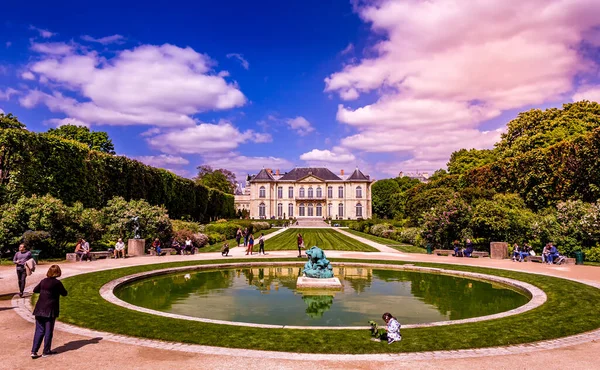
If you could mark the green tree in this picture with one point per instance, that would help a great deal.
(95, 140)
(10, 121)
(463, 160)
(406, 183)
(382, 192)
(220, 179)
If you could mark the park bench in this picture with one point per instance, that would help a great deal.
(449, 252)
(72, 257)
(480, 254)
(163, 251)
(566, 261)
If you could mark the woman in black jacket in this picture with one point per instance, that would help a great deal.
(46, 311)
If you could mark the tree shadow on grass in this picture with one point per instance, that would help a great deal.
(77, 344)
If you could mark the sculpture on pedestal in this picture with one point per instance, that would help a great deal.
(317, 266)
(136, 227)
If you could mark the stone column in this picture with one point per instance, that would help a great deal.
(136, 247)
(498, 250)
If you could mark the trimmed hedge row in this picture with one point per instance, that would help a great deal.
(32, 163)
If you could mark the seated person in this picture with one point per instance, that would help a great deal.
(178, 248)
(552, 254)
(225, 250)
(524, 252)
(119, 249)
(79, 251)
(156, 247)
(516, 252)
(468, 251)
(457, 249)
(393, 328)
(545, 252)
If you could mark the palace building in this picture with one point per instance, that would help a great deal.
(307, 193)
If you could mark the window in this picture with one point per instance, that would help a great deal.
(340, 192)
(310, 192)
(319, 193)
(290, 210)
(291, 192)
(261, 210)
(330, 192)
(319, 210)
(301, 192)
(310, 210)
(329, 209)
(301, 210)
(280, 210)
(340, 210)
(280, 192)
(262, 192)
(358, 210)
(358, 192)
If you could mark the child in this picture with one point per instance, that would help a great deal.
(393, 328)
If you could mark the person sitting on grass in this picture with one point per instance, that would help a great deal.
(468, 251)
(225, 250)
(119, 248)
(393, 328)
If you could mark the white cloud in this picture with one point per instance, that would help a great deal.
(591, 93)
(348, 49)
(163, 160)
(1, 111)
(118, 39)
(241, 165)
(436, 88)
(148, 85)
(53, 48)
(300, 125)
(27, 75)
(66, 121)
(261, 137)
(6, 94)
(43, 33)
(329, 156)
(151, 132)
(240, 58)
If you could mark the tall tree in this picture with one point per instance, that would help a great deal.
(382, 192)
(10, 121)
(96, 140)
(464, 160)
(220, 179)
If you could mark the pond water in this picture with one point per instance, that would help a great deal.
(268, 295)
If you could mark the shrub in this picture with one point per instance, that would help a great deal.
(185, 225)
(214, 238)
(220, 221)
(36, 240)
(258, 226)
(382, 230)
(228, 229)
(593, 254)
(410, 235)
(198, 240)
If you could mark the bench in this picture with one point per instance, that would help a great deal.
(480, 254)
(72, 257)
(449, 252)
(163, 251)
(567, 261)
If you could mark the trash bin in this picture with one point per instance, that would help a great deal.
(36, 254)
(579, 258)
(429, 249)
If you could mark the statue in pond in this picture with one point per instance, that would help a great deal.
(135, 221)
(317, 266)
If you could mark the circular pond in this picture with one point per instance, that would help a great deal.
(268, 295)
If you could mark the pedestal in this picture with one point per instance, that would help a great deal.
(136, 247)
(314, 283)
(498, 250)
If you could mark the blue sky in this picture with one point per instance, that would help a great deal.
(385, 85)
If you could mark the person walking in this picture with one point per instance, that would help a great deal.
(250, 244)
(46, 311)
(20, 258)
(238, 237)
(261, 244)
(246, 234)
(300, 245)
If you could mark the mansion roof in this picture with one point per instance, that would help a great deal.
(299, 173)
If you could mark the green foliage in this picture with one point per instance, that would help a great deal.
(420, 202)
(593, 254)
(219, 179)
(446, 221)
(95, 140)
(227, 229)
(10, 121)
(464, 160)
(37, 240)
(185, 225)
(382, 192)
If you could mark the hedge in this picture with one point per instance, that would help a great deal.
(32, 163)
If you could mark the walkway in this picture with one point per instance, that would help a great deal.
(83, 352)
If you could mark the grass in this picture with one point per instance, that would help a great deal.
(217, 246)
(571, 308)
(402, 247)
(325, 239)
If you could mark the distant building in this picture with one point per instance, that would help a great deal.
(421, 176)
(307, 193)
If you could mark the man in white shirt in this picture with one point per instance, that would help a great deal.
(120, 249)
(189, 246)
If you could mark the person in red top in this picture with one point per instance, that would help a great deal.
(300, 245)
(156, 247)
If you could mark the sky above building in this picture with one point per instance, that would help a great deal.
(383, 85)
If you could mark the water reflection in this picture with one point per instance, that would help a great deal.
(268, 295)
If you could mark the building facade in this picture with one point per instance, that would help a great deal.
(307, 193)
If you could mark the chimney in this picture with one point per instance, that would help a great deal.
(269, 171)
(342, 172)
(277, 172)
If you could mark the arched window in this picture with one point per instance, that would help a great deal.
(319, 193)
(301, 210)
(330, 192)
(291, 192)
(262, 192)
(301, 192)
(340, 210)
(329, 210)
(310, 210)
(340, 192)
(290, 210)
(310, 192)
(319, 210)
(358, 192)
(261, 210)
(280, 192)
(279, 210)
(359, 210)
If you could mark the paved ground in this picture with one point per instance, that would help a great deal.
(82, 352)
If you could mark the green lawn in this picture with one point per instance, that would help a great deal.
(571, 308)
(217, 247)
(402, 247)
(325, 239)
